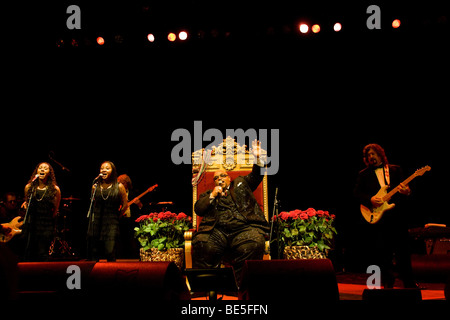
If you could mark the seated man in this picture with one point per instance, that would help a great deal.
(232, 223)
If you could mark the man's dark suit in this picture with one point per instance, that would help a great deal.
(389, 236)
(233, 226)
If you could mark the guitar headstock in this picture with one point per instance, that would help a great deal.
(421, 171)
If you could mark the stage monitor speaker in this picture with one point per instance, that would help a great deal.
(158, 281)
(47, 281)
(133, 281)
(289, 280)
(392, 295)
(9, 274)
(50, 276)
(431, 267)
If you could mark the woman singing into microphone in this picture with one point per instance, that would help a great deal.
(44, 196)
(110, 203)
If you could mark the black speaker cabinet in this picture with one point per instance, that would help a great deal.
(51, 277)
(392, 295)
(102, 281)
(151, 281)
(289, 280)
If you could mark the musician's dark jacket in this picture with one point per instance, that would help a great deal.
(241, 191)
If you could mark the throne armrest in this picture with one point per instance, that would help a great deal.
(266, 250)
(188, 247)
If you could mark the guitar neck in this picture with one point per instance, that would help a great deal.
(142, 194)
(391, 193)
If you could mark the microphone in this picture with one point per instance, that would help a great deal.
(223, 192)
(35, 177)
(219, 194)
(98, 177)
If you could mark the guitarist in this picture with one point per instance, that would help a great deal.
(128, 247)
(388, 237)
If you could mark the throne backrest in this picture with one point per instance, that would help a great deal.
(232, 157)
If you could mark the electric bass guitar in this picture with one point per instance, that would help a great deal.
(142, 194)
(13, 227)
(127, 213)
(373, 215)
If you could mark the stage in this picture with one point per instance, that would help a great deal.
(165, 282)
(242, 67)
(105, 288)
(352, 285)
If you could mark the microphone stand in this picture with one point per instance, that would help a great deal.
(28, 233)
(274, 213)
(95, 185)
(29, 202)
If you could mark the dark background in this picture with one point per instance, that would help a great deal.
(329, 95)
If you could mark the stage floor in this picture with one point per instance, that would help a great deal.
(351, 287)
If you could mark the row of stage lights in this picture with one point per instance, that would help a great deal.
(183, 35)
(303, 28)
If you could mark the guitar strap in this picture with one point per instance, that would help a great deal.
(386, 174)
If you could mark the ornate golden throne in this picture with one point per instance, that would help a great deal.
(237, 161)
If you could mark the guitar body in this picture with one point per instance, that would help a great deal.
(13, 225)
(373, 215)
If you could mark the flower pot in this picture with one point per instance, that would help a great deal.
(303, 252)
(153, 254)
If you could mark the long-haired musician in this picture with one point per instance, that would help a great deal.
(388, 237)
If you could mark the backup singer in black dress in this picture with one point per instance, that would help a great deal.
(40, 225)
(110, 203)
(233, 224)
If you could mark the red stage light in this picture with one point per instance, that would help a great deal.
(315, 28)
(151, 37)
(303, 28)
(171, 37)
(100, 41)
(337, 27)
(396, 23)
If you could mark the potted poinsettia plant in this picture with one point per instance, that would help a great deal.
(161, 236)
(305, 234)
